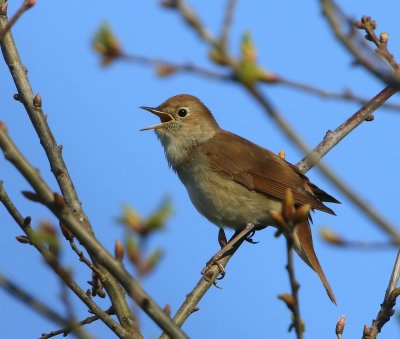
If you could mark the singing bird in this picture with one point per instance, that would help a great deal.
(231, 181)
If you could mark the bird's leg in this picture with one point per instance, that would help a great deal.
(227, 246)
(222, 238)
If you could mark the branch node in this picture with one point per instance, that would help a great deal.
(37, 101)
(3, 8)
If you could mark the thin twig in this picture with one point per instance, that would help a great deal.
(355, 44)
(189, 305)
(171, 67)
(294, 285)
(334, 14)
(66, 330)
(345, 95)
(193, 20)
(56, 204)
(394, 278)
(330, 140)
(384, 315)
(227, 22)
(53, 262)
(33, 106)
(84, 259)
(166, 68)
(328, 143)
(32, 301)
(27, 4)
(66, 300)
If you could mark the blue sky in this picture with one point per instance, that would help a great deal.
(94, 114)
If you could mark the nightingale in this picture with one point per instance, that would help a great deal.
(231, 181)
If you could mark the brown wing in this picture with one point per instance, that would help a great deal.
(259, 169)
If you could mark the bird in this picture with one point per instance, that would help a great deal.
(233, 182)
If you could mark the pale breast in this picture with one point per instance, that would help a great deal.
(225, 202)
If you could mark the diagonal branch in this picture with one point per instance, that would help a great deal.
(355, 44)
(202, 286)
(66, 330)
(56, 204)
(387, 307)
(189, 305)
(227, 22)
(33, 106)
(30, 300)
(52, 261)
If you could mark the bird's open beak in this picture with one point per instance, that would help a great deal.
(164, 117)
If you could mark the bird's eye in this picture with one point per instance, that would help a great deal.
(182, 112)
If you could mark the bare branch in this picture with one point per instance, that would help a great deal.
(33, 106)
(394, 278)
(165, 68)
(383, 317)
(19, 292)
(294, 285)
(355, 44)
(227, 23)
(345, 95)
(52, 261)
(56, 204)
(27, 4)
(65, 331)
(332, 138)
(192, 19)
(189, 305)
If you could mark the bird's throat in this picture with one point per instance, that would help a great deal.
(180, 146)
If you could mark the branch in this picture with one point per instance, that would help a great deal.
(189, 305)
(386, 311)
(227, 23)
(52, 261)
(323, 148)
(27, 4)
(345, 95)
(189, 16)
(383, 317)
(360, 116)
(65, 331)
(166, 68)
(294, 285)
(355, 44)
(33, 106)
(31, 301)
(363, 114)
(56, 204)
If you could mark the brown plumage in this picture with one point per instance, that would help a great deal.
(238, 159)
(232, 181)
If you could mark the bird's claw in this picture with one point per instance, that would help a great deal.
(221, 274)
(249, 238)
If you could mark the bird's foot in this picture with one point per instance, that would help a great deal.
(208, 275)
(226, 246)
